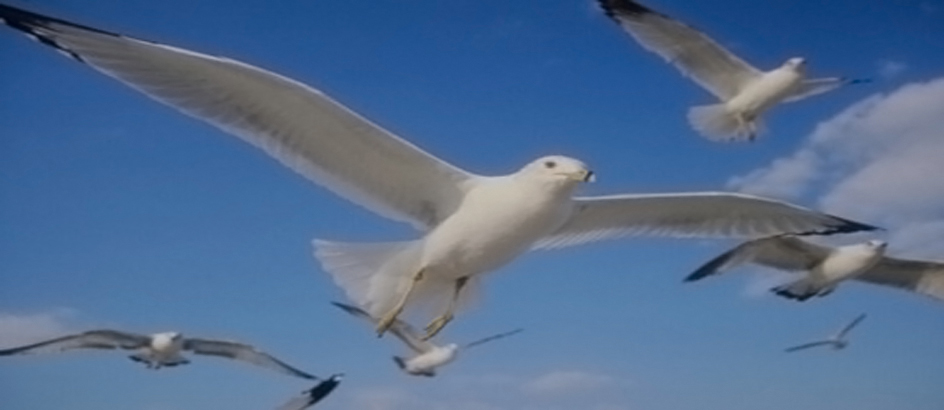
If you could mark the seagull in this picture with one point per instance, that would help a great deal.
(313, 395)
(826, 267)
(836, 341)
(428, 356)
(745, 92)
(159, 349)
(471, 223)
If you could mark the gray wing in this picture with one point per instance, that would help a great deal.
(809, 345)
(94, 339)
(299, 126)
(696, 214)
(491, 338)
(402, 330)
(842, 333)
(691, 51)
(923, 277)
(778, 252)
(811, 87)
(244, 352)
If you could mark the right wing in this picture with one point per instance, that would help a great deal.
(779, 252)
(923, 277)
(299, 126)
(94, 339)
(691, 51)
(808, 345)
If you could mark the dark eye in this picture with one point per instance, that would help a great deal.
(550, 164)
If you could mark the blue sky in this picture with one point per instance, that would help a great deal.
(120, 212)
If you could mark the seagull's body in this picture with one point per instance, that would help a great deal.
(428, 356)
(473, 224)
(313, 395)
(837, 341)
(158, 350)
(745, 92)
(827, 267)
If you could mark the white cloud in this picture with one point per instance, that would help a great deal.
(881, 160)
(564, 383)
(890, 69)
(20, 329)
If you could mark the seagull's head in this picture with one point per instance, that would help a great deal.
(796, 63)
(558, 170)
(166, 340)
(877, 244)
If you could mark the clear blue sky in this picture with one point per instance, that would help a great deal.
(120, 212)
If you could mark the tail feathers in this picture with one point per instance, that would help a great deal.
(802, 290)
(372, 275)
(718, 124)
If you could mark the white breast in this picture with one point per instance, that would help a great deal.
(764, 93)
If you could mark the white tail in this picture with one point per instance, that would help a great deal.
(373, 275)
(717, 123)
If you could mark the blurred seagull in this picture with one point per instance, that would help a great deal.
(826, 267)
(158, 350)
(836, 341)
(428, 357)
(313, 395)
(473, 224)
(745, 92)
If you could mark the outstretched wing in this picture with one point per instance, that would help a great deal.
(691, 51)
(842, 333)
(695, 214)
(491, 338)
(926, 278)
(299, 126)
(809, 345)
(811, 87)
(779, 252)
(243, 352)
(313, 395)
(94, 339)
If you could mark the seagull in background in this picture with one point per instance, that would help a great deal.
(159, 349)
(826, 267)
(428, 356)
(745, 92)
(471, 224)
(836, 341)
(313, 395)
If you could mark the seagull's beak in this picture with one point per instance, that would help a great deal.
(584, 175)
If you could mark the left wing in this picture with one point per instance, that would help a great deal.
(313, 395)
(491, 338)
(809, 345)
(842, 333)
(244, 352)
(923, 277)
(696, 214)
(811, 87)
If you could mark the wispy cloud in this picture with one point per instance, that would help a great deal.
(890, 69)
(879, 161)
(566, 382)
(20, 329)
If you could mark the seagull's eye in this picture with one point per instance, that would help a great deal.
(550, 164)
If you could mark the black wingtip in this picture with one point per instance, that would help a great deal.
(711, 267)
(322, 389)
(614, 8)
(399, 361)
(841, 226)
(39, 26)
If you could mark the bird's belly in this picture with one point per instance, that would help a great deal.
(759, 97)
(428, 361)
(840, 268)
(471, 246)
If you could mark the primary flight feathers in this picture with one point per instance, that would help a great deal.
(837, 341)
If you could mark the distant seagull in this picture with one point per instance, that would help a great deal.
(473, 224)
(158, 350)
(313, 395)
(836, 341)
(429, 356)
(826, 267)
(745, 92)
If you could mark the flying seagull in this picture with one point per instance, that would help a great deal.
(837, 341)
(428, 356)
(313, 395)
(745, 92)
(159, 349)
(472, 223)
(826, 267)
